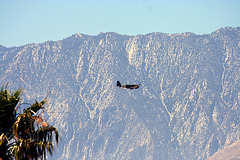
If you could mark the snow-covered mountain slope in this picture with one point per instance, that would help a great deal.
(186, 108)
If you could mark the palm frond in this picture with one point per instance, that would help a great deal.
(36, 107)
(26, 135)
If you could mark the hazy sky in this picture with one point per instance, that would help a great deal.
(34, 21)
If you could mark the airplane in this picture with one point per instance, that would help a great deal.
(128, 86)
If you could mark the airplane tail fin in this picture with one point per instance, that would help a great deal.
(118, 84)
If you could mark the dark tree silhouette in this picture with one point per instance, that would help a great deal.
(26, 135)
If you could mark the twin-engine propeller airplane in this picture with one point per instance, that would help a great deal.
(128, 86)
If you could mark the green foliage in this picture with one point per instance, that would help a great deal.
(8, 104)
(27, 135)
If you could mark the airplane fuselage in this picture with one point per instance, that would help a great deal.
(128, 86)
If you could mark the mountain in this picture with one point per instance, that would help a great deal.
(231, 152)
(186, 108)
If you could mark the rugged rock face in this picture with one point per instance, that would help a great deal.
(186, 108)
(231, 152)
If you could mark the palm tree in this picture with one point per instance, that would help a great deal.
(29, 136)
(8, 104)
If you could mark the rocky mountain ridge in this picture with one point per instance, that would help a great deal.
(231, 152)
(186, 108)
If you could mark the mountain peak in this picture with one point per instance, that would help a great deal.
(228, 30)
(79, 35)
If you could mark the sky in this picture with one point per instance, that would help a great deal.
(36, 21)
